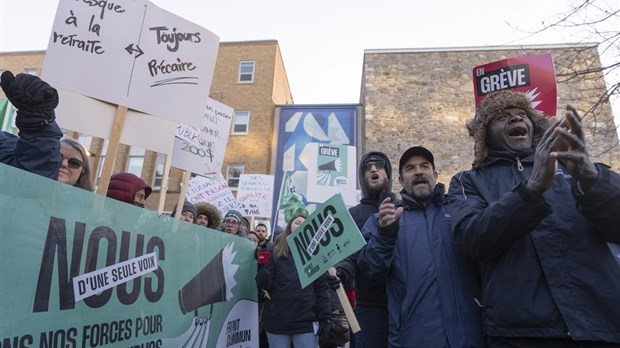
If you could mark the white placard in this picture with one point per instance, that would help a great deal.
(201, 151)
(132, 53)
(214, 191)
(255, 195)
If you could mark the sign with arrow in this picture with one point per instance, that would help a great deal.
(132, 53)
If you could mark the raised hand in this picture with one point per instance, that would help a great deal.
(543, 171)
(573, 154)
(388, 213)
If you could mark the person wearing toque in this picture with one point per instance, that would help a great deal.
(232, 222)
(188, 213)
(37, 147)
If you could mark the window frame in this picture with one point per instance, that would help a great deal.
(230, 167)
(234, 123)
(241, 73)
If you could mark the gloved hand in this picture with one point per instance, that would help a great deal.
(34, 99)
(333, 281)
(325, 326)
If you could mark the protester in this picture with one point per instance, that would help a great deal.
(207, 215)
(37, 148)
(290, 311)
(263, 235)
(536, 213)
(232, 222)
(375, 177)
(431, 288)
(245, 225)
(253, 237)
(188, 213)
(75, 166)
(128, 188)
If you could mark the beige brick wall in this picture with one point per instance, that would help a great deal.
(425, 97)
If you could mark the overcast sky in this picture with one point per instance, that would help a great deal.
(323, 41)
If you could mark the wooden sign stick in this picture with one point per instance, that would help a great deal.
(164, 184)
(186, 176)
(110, 155)
(346, 305)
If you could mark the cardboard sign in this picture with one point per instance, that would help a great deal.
(214, 191)
(201, 150)
(255, 195)
(96, 272)
(326, 237)
(132, 53)
(532, 75)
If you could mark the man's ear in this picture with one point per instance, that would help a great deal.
(400, 180)
(435, 174)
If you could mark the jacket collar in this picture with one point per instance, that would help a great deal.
(501, 156)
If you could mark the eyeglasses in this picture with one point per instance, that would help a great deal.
(72, 163)
(231, 222)
(379, 165)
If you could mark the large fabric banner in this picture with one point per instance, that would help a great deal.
(81, 270)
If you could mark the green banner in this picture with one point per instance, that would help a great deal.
(81, 270)
(327, 236)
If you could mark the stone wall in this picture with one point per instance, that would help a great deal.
(424, 97)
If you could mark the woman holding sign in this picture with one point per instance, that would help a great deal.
(290, 312)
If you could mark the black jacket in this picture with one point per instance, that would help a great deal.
(291, 309)
(545, 267)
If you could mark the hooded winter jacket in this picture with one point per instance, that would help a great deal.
(546, 270)
(123, 187)
(431, 287)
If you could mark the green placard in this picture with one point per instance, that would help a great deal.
(327, 236)
(81, 270)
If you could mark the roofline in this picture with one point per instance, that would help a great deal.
(24, 52)
(248, 42)
(479, 48)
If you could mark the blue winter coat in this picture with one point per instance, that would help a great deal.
(546, 270)
(36, 152)
(431, 287)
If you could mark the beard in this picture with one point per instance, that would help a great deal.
(421, 192)
(375, 188)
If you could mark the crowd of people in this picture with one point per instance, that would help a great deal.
(516, 253)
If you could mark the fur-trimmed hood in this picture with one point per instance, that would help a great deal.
(211, 212)
(494, 104)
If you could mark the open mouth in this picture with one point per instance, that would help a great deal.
(517, 132)
(374, 176)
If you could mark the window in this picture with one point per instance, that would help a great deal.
(158, 176)
(246, 72)
(136, 160)
(233, 173)
(241, 121)
(104, 151)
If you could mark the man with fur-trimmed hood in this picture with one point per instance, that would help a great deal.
(207, 215)
(535, 213)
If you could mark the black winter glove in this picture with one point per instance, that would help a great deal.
(34, 99)
(333, 281)
(325, 326)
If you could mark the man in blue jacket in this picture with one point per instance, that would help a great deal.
(431, 287)
(37, 148)
(536, 214)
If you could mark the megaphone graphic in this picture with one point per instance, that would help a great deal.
(212, 284)
(335, 165)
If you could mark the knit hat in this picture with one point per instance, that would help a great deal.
(187, 206)
(494, 104)
(234, 214)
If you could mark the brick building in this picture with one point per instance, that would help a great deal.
(249, 77)
(425, 96)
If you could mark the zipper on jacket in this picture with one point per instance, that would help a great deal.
(519, 165)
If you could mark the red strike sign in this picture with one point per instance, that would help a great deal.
(532, 75)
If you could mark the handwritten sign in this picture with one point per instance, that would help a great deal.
(255, 195)
(214, 191)
(201, 150)
(132, 53)
(532, 75)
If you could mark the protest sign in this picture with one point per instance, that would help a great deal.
(255, 194)
(132, 53)
(532, 75)
(327, 236)
(331, 168)
(214, 191)
(81, 270)
(201, 150)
